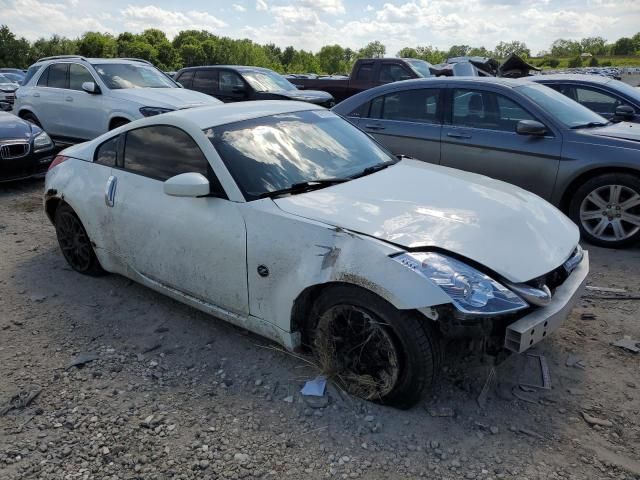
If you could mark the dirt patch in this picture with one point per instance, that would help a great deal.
(173, 393)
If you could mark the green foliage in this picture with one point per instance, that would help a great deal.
(575, 62)
(504, 49)
(199, 47)
(593, 62)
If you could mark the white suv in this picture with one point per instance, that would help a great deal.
(76, 99)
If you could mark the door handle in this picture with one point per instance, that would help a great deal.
(110, 191)
(371, 126)
(458, 135)
(36, 94)
(68, 99)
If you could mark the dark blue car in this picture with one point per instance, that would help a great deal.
(613, 99)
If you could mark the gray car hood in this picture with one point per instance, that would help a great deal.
(414, 205)
(622, 131)
(174, 98)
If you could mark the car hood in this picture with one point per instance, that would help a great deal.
(9, 86)
(622, 131)
(416, 205)
(312, 96)
(175, 98)
(12, 127)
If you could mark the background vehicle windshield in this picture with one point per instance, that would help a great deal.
(420, 67)
(12, 77)
(274, 152)
(267, 81)
(565, 110)
(5, 79)
(125, 75)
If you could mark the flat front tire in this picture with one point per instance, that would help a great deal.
(372, 349)
(607, 210)
(75, 243)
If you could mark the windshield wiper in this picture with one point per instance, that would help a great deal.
(376, 168)
(307, 186)
(590, 125)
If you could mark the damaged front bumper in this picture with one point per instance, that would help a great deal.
(532, 328)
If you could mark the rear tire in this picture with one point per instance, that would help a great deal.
(75, 243)
(372, 349)
(606, 208)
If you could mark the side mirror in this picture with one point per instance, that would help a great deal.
(5, 106)
(90, 87)
(531, 127)
(187, 185)
(625, 112)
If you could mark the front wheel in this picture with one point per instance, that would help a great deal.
(371, 349)
(607, 210)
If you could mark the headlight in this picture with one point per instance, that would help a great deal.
(151, 111)
(470, 291)
(42, 141)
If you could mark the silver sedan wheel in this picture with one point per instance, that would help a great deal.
(611, 212)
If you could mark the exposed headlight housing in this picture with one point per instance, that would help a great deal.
(471, 291)
(151, 111)
(42, 141)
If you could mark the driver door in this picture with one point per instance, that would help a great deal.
(194, 245)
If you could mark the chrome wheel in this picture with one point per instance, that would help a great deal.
(611, 213)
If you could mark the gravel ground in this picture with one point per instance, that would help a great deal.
(170, 393)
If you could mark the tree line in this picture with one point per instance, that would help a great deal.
(199, 47)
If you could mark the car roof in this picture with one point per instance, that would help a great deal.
(91, 61)
(507, 82)
(244, 68)
(215, 115)
(573, 77)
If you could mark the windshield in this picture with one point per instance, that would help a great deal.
(275, 152)
(12, 77)
(5, 79)
(127, 75)
(563, 109)
(420, 67)
(262, 81)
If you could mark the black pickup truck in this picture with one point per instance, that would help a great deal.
(366, 73)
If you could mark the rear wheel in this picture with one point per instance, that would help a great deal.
(371, 349)
(607, 210)
(74, 242)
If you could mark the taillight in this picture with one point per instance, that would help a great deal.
(57, 161)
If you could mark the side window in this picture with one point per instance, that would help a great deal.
(160, 152)
(361, 112)
(230, 81)
(376, 107)
(420, 105)
(488, 110)
(597, 100)
(185, 78)
(206, 81)
(107, 152)
(390, 72)
(365, 72)
(42, 81)
(58, 75)
(78, 75)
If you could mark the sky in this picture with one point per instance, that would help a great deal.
(310, 24)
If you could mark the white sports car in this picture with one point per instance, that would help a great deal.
(286, 220)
